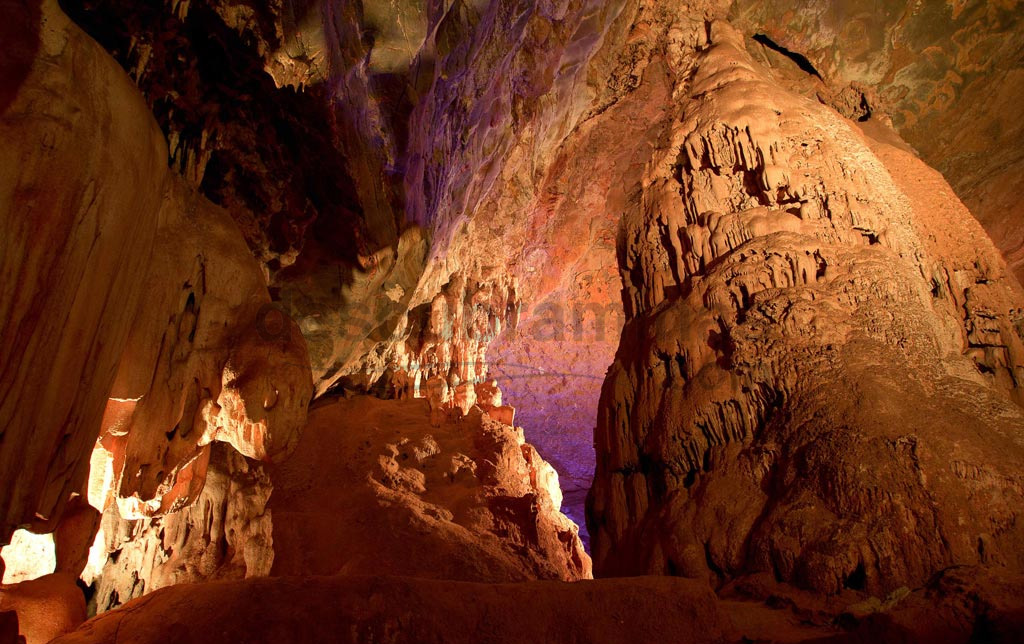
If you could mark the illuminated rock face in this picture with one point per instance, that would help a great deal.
(163, 316)
(28, 556)
(71, 252)
(224, 534)
(208, 359)
(817, 372)
(376, 488)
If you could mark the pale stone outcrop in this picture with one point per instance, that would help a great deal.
(226, 533)
(208, 359)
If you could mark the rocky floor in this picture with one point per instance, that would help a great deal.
(375, 488)
(960, 607)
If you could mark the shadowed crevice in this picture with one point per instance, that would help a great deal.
(801, 61)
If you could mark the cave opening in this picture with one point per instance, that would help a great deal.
(551, 368)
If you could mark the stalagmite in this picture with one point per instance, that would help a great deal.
(766, 416)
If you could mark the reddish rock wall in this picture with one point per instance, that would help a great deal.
(949, 75)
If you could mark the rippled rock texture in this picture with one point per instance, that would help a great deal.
(817, 376)
(225, 533)
(948, 74)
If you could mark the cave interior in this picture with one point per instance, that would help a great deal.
(511, 321)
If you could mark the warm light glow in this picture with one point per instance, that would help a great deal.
(28, 556)
(97, 558)
(101, 477)
(547, 482)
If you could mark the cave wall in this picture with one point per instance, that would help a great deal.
(438, 164)
(818, 377)
(948, 74)
(135, 293)
(72, 251)
(208, 359)
(207, 362)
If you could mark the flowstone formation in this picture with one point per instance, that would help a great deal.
(948, 74)
(66, 250)
(817, 374)
(134, 294)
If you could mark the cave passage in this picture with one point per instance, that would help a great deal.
(511, 322)
(551, 370)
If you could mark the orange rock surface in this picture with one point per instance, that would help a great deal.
(316, 316)
(375, 488)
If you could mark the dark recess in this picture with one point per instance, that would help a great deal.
(275, 164)
(800, 60)
(857, 580)
(19, 32)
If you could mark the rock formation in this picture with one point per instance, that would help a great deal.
(72, 252)
(294, 288)
(203, 359)
(46, 607)
(226, 533)
(796, 303)
(947, 74)
(961, 606)
(140, 295)
(376, 488)
(208, 359)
